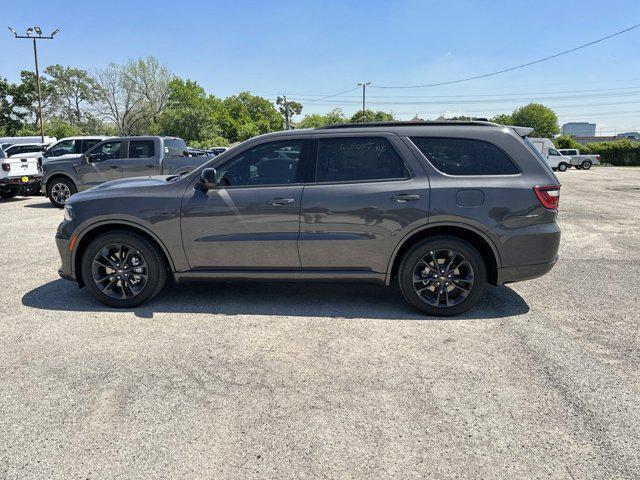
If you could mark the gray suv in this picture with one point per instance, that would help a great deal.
(444, 208)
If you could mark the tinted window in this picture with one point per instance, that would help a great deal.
(141, 149)
(87, 144)
(553, 151)
(61, 148)
(357, 159)
(458, 156)
(106, 151)
(272, 163)
(175, 147)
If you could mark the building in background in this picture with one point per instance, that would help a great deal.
(579, 129)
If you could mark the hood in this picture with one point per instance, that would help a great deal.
(134, 182)
(70, 158)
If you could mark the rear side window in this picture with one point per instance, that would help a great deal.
(352, 159)
(141, 149)
(461, 156)
(175, 147)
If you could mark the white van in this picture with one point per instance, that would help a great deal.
(556, 160)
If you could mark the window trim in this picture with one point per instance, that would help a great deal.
(515, 164)
(305, 152)
(311, 177)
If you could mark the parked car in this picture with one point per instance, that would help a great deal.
(25, 150)
(71, 147)
(113, 159)
(17, 173)
(444, 207)
(7, 141)
(578, 160)
(217, 150)
(554, 158)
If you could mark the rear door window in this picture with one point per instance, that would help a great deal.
(462, 156)
(141, 149)
(87, 144)
(358, 159)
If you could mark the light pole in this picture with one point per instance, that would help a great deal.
(364, 89)
(39, 36)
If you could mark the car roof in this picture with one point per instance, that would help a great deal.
(84, 137)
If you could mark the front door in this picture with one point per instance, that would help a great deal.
(252, 220)
(366, 191)
(104, 165)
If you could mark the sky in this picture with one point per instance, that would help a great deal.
(313, 49)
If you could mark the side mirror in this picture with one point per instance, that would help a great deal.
(208, 178)
(85, 158)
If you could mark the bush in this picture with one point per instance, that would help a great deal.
(625, 153)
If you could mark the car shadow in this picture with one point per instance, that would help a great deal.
(46, 204)
(14, 199)
(276, 299)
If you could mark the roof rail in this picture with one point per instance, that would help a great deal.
(408, 123)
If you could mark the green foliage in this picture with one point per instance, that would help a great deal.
(624, 152)
(316, 120)
(295, 108)
(502, 119)
(567, 141)
(244, 116)
(542, 119)
(371, 116)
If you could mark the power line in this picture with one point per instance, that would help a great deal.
(510, 69)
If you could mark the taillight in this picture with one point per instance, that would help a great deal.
(598, 157)
(39, 162)
(6, 167)
(548, 195)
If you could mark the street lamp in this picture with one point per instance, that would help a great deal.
(364, 89)
(38, 31)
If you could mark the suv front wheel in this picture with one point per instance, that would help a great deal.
(442, 276)
(122, 269)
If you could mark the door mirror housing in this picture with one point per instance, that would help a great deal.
(209, 179)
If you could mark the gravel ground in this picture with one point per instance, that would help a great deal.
(321, 381)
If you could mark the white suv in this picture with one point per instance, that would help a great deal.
(71, 146)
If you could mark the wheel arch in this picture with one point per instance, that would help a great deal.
(476, 238)
(53, 176)
(93, 231)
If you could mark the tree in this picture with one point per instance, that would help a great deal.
(502, 119)
(244, 116)
(543, 120)
(72, 91)
(315, 120)
(192, 115)
(371, 116)
(132, 96)
(566, 141)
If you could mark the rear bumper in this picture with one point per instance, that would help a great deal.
(523, 272)
(20, 180)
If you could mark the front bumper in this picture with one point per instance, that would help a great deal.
(62, 243)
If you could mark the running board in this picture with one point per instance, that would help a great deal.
(282, 275)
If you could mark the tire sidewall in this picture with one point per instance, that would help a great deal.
(70, 185)
(10, 191)
(562, 167)
(586, 165)
(155, 265)
(405, 274)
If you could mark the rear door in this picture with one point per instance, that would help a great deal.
(141, 159)
(363, 192)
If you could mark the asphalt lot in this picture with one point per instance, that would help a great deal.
(329, 381)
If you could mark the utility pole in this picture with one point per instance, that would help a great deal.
(364, 90)
(286, 113)
(39, 36)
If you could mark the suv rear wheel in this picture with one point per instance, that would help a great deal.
(586, 165)
(59, 190)
(9, 191)
(442, 276)
(122, 269)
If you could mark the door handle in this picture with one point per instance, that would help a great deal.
(281, 201)
(406, 198)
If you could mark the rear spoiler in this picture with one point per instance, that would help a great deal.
(523, 131)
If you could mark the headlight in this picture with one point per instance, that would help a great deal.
(68, 213)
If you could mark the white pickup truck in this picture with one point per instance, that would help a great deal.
(579, 161)
(17, 172)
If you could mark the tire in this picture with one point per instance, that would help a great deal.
(10, 191)
(562, 167)
(586, 165)
(455, 300)
(59, 190)
(107, 249)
